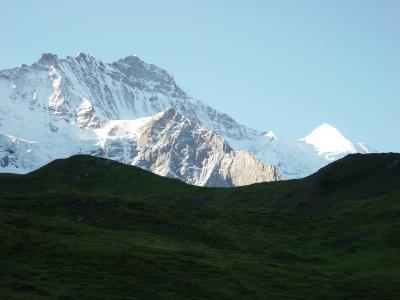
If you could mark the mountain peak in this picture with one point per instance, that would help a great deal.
(326, 139)
(48, 58)
(84, 57)
(131, 60)
(326, 127)
(325, 130)
(270, 134)
(81, 55)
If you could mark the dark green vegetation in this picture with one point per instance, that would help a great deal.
(88, 228)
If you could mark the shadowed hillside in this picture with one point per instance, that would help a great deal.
(90, 228)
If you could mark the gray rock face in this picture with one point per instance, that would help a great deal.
(170, 144)
(174, 146)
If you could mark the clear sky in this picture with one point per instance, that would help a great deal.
(282, 65)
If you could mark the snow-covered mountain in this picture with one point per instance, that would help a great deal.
(331, 144)
(300, 158)
(135, 112)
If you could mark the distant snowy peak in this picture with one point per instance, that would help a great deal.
(270, 134)
(327, 139)
(330, 143)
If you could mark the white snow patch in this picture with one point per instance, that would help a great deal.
(121, 129)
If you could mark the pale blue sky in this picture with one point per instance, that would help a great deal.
(282, 65)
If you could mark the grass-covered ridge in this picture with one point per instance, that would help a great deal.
(89, 228)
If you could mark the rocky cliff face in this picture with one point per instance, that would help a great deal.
(135, 113)
(174, 146)
(170, 144)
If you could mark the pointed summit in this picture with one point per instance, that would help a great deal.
(80, 55)
(48, 58)
(85, 58)
(131, 60)
(329, 141)
(270, 134)
(324, 130)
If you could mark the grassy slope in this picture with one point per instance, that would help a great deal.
(88, 228)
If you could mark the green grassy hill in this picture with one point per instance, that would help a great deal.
(90, 228)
